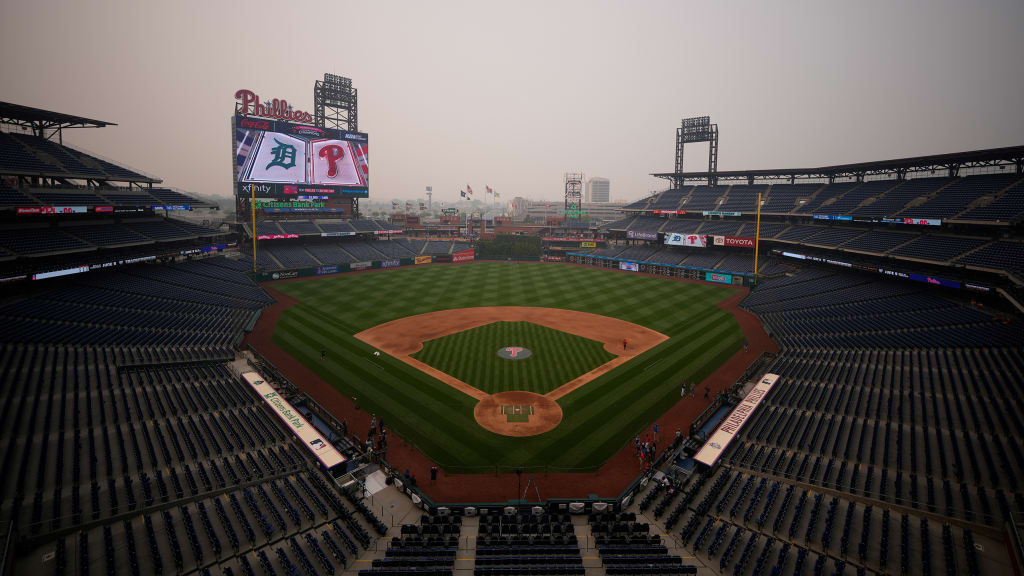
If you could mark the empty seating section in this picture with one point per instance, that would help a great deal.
(833, 236)
(704, 198)
(298, 227)
(783, 198)
(170, 197)
(57, 197)
(889, 395)
(165, 469)
(737, 262)
(519, 543)
(743, 198)
(626, 546)
(938, 248)
(824, 195)
(330, 253)
(68, 159)
(365, 225)
(897, 198)
(12, 197)
(183, 309)
(854, 196)
(621, 224)
(647, 224)
(162, 230)
(670, 199)
(703, 258)
(956, 197)
(335, 226)
(30, 154)
(434, 247)
(15, 157)
(681, 225)
(426, 549)
(362, 251)
(1002, 255)
(291, 256)
(637, 252)
(397, 249)
(40, 240)
(268, 228)
(1007, 207)
(107, 235)
(879, 241)
(798, 233)
(131, 199)
(721, 227)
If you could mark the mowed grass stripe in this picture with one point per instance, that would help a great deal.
(599, 417)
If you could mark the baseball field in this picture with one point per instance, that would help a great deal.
(451, 341)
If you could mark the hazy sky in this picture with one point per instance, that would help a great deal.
(514, 94)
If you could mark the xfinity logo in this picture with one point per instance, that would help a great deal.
(253, 188)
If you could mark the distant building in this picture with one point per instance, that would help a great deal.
(598, 190)
(523, 210)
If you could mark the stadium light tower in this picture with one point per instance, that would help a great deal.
(573, 197)
(697, 129)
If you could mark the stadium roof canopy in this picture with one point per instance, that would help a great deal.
(950, 164)
(38, 119)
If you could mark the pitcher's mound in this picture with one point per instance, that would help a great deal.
(518, 413)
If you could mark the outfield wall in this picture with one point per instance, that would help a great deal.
(332, 269)
(661, 269)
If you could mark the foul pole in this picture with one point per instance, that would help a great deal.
(757, 234)
(252, 211)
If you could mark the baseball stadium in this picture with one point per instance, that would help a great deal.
(778, 371)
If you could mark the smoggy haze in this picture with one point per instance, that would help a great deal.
(514, 94)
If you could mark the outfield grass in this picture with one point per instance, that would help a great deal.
(598, 419)
(472, 356)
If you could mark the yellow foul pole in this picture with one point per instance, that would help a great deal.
(252, 210)
(757, 234)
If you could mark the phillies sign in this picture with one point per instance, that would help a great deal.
(250, 105)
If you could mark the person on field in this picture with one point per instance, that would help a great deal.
(623, 343)
(323, 353)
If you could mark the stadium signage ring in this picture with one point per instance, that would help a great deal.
(514, 353)
(279, 109)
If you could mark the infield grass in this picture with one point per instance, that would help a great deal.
(472, 356)
(598, 418)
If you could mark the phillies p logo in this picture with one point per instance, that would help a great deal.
(333, 153)
(513, 351)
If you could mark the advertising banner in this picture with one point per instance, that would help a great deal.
(360, 265)
(916, 221)
(336, 234)
(323, 450)
(935, 281)
(393, 263)
(833, 217)
(716, 277)
(588, 244)
(730, 427)
(717, 213)
(423, 260)
(56, 273)
(442, 258)
(641, 235)
(324, 270)
(695, 240)
(53, 210)
(174, 208)
(387, 231)
(276, 236)
(668, 211)
(738, 242)
(631, 266)
(464, 255)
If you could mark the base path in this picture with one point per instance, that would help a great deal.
(404, 337)
(607, 482)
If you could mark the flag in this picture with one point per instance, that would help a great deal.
(462, 193)
(469, 189)
(496, 195)
(489, 191)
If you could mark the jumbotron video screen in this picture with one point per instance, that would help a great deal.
(298, 168)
